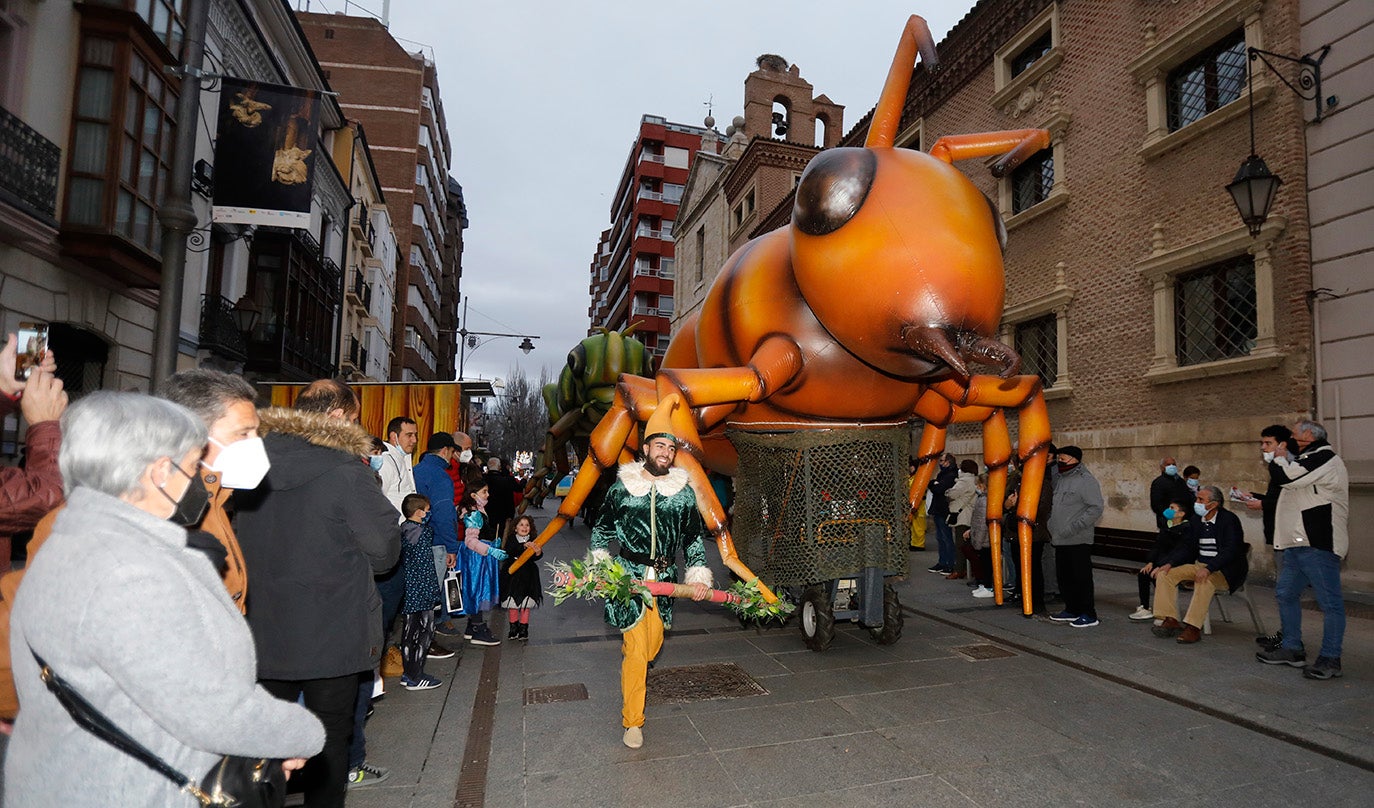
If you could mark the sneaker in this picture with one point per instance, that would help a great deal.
(446, 628)
(1270, 641)
(1283, 656)
(634, 737)
(481, 635)
(1084, 621)
(513, 633)
(1141, 614)
(1324, 667)
(467, 631)
(437, 651)
(936, 568)
(1064, 617)
(524, 632)
(425, 682)
(982, 592)
(367, 774)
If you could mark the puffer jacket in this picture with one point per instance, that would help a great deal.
(27, 494)
(1314, 507)
(960, 498)
(314, 532)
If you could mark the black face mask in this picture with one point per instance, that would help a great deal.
(191, 509)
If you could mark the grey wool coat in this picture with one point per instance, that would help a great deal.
(142, 627)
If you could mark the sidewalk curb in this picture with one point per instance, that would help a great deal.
(1314, 739)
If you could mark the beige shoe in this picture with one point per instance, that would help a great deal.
(634, 738)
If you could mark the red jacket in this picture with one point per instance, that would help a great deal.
(455, 473)
(27, 494)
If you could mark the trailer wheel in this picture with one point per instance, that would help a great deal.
(817, 617)
(893, 619)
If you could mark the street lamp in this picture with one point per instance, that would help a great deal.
(468, 340)
(1255, 185)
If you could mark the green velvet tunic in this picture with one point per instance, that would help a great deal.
(624, 517)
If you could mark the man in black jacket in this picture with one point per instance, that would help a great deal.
(1168, 487)
(314, 533)
(945, 474)
(1212, 555)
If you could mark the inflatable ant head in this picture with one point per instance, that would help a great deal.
(896, 252)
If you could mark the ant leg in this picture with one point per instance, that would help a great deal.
(712, 512)
(1025, 394)
(1016, 144)
(634, 403)
(996, 453)
(774, 363)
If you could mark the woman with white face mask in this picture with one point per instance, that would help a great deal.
(132, 615)
(235, 459)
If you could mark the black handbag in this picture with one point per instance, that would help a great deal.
(233, 782)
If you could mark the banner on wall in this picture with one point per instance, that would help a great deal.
(265, 153)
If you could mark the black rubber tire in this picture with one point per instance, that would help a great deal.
(893, 619)
(817, 617)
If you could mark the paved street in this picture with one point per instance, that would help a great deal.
(1104, 716)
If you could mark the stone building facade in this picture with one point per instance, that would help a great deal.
(1340, 202)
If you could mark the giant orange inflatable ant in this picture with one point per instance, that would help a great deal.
(870, 307)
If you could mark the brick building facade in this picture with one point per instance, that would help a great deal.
(395, 94)
(633, 269)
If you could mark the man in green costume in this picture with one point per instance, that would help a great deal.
(651, 513)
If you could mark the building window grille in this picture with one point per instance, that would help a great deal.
(1215, 312)
(1031, 54)
(1037, 341)
(1032, 181)
(1207, 82)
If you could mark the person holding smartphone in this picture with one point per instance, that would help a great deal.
(26, 494)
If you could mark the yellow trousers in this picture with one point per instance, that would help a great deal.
(918, 527)
(638, 646)
(1166, 593)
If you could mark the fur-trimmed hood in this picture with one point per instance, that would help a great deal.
(316, 428)
(304, 446)
(637, 480)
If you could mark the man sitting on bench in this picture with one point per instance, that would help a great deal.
(1212, 555)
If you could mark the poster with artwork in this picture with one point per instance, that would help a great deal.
(265, 154)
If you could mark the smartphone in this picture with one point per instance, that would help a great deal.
(33, 344)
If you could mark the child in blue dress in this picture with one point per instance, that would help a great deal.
(481, 564)
(422, 593)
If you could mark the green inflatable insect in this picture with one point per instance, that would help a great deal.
(581, 396)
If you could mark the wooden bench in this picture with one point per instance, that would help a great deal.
(1121, 550)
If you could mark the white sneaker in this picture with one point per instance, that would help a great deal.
(634, 737)
(982, 592)
(1142, 613)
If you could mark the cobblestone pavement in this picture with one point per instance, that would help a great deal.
(1106, 716)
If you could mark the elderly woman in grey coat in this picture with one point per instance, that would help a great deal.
(137, 622)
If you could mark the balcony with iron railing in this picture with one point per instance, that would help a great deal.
(29, 166)
(219, 328)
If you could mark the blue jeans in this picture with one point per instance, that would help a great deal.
(1321, 569)
(944, 539)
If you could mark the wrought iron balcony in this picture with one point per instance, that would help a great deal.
(29, 165)
(219, 330)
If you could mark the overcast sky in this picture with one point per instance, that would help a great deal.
(543, 99)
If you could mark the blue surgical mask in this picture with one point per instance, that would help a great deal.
(424, 520)
(375, 461)
(1192, 483)
(1199, 509)
(1172, 471)
(1169, 513)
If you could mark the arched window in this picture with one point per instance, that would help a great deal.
(822, 127)
(81, 358)
(782, 116)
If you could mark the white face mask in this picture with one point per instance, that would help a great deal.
(465, 456)
(1268, 457)
(241, 464)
